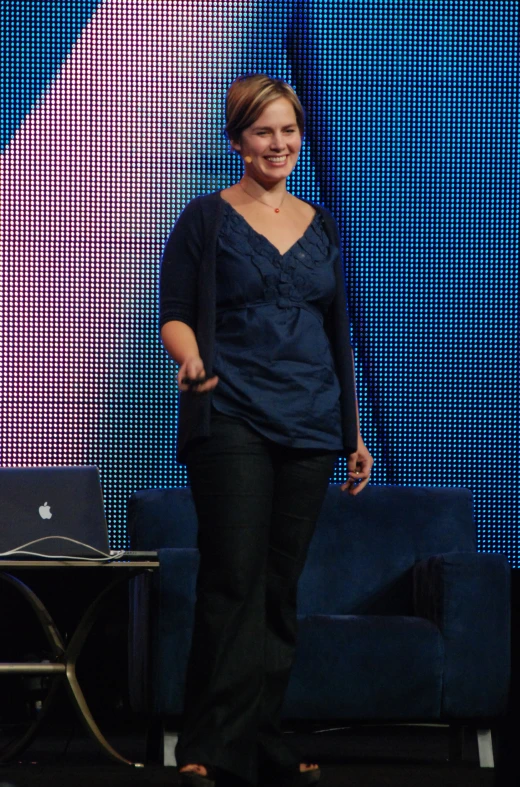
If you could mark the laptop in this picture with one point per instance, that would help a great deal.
(52, 501)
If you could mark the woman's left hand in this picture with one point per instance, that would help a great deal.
(359, 467)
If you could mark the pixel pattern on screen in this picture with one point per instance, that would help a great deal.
(112, 121)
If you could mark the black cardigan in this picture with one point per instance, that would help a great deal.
(188, 293)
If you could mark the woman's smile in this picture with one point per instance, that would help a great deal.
(277, 161)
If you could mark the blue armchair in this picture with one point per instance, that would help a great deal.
(401, 619)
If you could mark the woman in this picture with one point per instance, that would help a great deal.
(253, 311)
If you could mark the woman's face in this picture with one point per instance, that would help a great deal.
(273, 141)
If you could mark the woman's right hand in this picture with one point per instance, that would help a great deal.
(194, 369)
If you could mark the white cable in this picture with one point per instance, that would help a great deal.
(116, 556)
(21, 551)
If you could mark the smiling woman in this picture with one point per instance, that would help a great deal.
(253, 310)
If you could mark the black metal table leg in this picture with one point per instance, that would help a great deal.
(63, 665)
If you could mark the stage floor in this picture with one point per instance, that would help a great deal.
(370, 757)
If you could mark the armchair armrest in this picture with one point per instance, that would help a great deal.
(175, 605)
(161, 624)
(468, 596)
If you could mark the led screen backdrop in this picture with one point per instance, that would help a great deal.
(112, 116)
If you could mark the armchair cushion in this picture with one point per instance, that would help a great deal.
(366, 667)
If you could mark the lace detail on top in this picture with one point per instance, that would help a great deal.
(272, 354)
(296, 275)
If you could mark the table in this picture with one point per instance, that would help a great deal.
(62, 668)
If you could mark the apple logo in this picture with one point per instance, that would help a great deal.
(45, 511)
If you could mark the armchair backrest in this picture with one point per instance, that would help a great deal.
(361, 558)
(161, 518)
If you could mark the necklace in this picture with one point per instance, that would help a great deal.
(276, 210)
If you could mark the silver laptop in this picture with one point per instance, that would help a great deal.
(36, 502)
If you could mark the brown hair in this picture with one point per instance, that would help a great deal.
(247, 98)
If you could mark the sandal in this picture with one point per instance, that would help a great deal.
(194, 779)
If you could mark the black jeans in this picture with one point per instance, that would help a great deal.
(257, 503)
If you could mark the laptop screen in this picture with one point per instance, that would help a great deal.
(43, 502)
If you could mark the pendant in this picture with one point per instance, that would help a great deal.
(277, 210)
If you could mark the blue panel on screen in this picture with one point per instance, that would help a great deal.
(35, 39)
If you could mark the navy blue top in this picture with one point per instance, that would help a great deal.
(272, 354)
(188, 293)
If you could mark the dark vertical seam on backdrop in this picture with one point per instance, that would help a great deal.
(301, 56)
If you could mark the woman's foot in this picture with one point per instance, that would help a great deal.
(309, 773)
(200, 769)
(195, 775)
